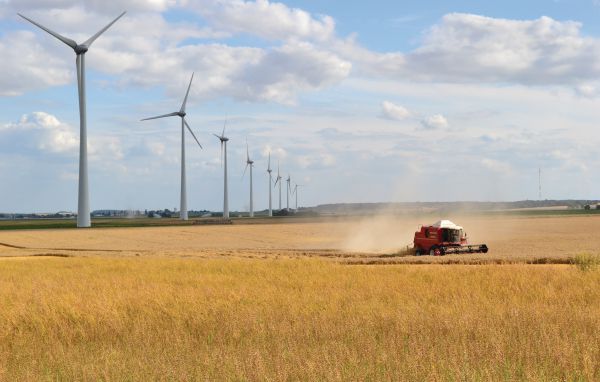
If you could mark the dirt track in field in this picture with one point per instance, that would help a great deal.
(356, 240)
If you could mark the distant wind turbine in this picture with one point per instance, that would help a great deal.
(83, 203)
(269, 170)
(278, 180)
(295, 192)
(289, 189)
(183, 214)
(250, 163)
(224, 141)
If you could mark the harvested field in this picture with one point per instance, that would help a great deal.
(510, 238)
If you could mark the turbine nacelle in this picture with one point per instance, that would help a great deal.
(81, 49)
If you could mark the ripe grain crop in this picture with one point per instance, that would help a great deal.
(109, 318)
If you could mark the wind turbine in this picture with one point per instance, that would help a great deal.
(250, 163)
(183, 214)
(278, 180)
(269, 170)
(289, 185)
(83, 202)
(224, 141)
(296, 193)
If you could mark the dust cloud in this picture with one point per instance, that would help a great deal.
(381, 234)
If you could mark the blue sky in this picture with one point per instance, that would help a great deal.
(359, 101)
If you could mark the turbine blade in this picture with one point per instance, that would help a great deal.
(67, 41)
(191, 132)
(224, 125)
(187, 94)
(161, 116)
(247, 151)
(246, 168)
(91, 40)
(269, 167)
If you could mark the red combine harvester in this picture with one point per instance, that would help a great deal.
(444, 238)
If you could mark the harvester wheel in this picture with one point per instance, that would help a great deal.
(434, 251)
(418, 252)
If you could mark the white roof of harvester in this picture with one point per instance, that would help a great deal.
(446, 224)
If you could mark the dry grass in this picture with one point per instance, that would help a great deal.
(188, 319)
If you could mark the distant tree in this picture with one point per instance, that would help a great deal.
(587, 207)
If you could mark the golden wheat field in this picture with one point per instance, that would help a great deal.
(288, 302)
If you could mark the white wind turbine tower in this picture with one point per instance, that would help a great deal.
(224, 141)
(250, 163)
(289, 186)
(278, 180)
(269, 170)
(183, 214)
(296, 193)
(83, 203)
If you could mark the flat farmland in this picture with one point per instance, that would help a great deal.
(510, 238)
(300, 300)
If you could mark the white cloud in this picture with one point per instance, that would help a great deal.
(496, 166)
(286, 70)
(277, 153)
(156, 148)
(436, 121)
(146, 50)
(472, 48)
(393, 111)
(41, 131)
(269, 20)
(100, 6)
(26, 65)
(586, 90)
(318, 160)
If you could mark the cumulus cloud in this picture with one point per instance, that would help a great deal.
(586, 90)
(277, 153)
(100, 6)
(473, 48)
(395, 112)
(316, 160)
(26, 65)
(436, 121)
(41, 131)
(146, 50)
(269, 20)
(280, 73)
(496, 166)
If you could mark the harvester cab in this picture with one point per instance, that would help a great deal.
(444, 238)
